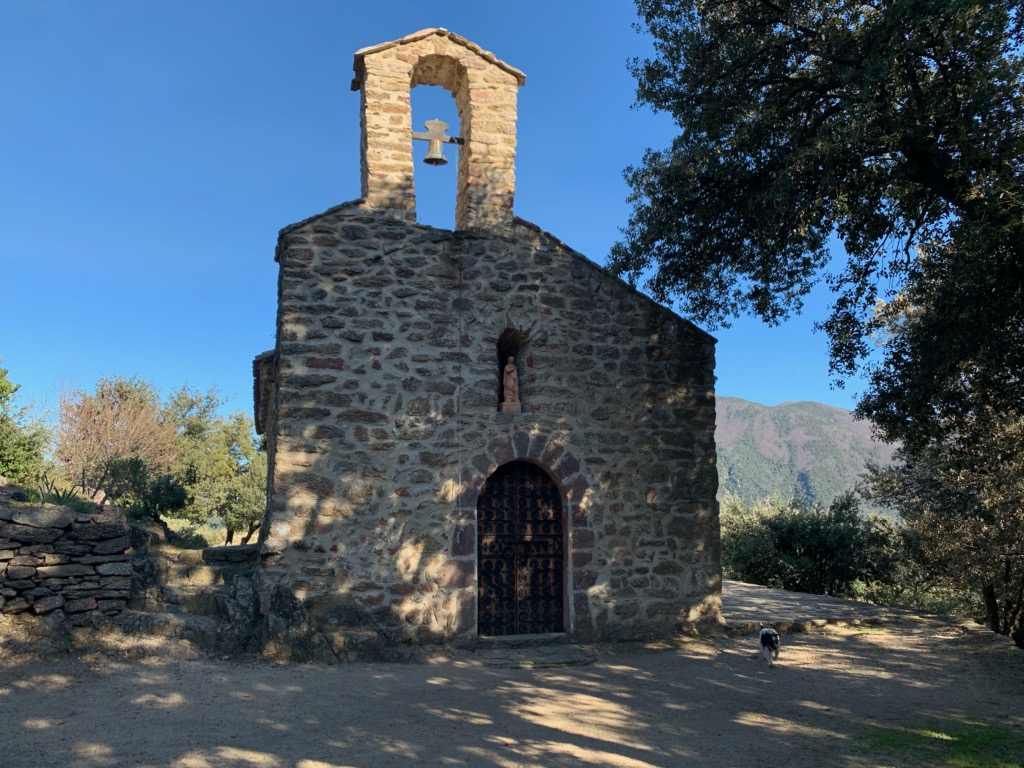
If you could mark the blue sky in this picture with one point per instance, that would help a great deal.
(150, 150)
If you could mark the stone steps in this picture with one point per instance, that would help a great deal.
(203, 567)
(194, 575)
(202, 596)
(198, 630)
(199, 600)
(523, 641)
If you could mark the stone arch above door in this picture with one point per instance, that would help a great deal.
(540, 448)
(550, 451)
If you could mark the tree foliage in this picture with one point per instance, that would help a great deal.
(133, 486)
(121, 420)
(22, 441)
(965, 512)
(794, 544)
(180, 458)
(230, 478)
(895, 125)
(221, 465)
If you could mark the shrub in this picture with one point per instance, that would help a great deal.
(792, 544)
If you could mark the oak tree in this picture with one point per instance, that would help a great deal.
(895, 126)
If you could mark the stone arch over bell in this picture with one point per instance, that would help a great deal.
(485, 91)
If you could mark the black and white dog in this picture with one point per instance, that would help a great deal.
(770, 642)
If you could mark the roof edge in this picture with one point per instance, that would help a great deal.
(333, 209)
(360, 69)
(593, 264)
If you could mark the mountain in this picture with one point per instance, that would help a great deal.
(817, 448)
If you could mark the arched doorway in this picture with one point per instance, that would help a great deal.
(520, 555)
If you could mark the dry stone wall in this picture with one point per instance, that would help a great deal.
(383, 425)
(63, 565)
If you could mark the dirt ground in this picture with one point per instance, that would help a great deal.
(842, 697)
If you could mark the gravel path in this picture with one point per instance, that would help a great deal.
(710, 702)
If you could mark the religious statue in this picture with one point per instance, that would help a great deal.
(511, 381)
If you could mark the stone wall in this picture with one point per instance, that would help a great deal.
(385, 423)
(62, 565)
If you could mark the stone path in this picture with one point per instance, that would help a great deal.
(744, 606)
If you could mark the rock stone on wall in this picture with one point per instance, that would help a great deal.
(386, 424)
(59, 564)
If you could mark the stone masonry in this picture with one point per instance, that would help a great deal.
(381, 402)
(63, 565)
(485, 92)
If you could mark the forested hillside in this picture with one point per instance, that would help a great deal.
(818, 448)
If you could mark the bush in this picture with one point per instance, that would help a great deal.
(132, 486)
(791, 544)
(22, 439)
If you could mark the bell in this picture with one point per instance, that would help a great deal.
(436, 136)
(435, 153)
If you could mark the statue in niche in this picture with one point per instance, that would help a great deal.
(510, 383)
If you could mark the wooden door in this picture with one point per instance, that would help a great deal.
(520, 561)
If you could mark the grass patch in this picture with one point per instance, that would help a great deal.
(872, 630)
(950, 744)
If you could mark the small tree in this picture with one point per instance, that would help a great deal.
(231, 480)
(122, 420)
(221, 464)
(132, 486)
(22, 441)
(249, 498)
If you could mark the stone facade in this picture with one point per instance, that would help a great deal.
(382, 406)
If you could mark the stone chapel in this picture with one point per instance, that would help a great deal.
(480, 432)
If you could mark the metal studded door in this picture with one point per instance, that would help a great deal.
(520, 558)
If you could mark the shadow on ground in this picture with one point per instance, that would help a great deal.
(836, 697)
